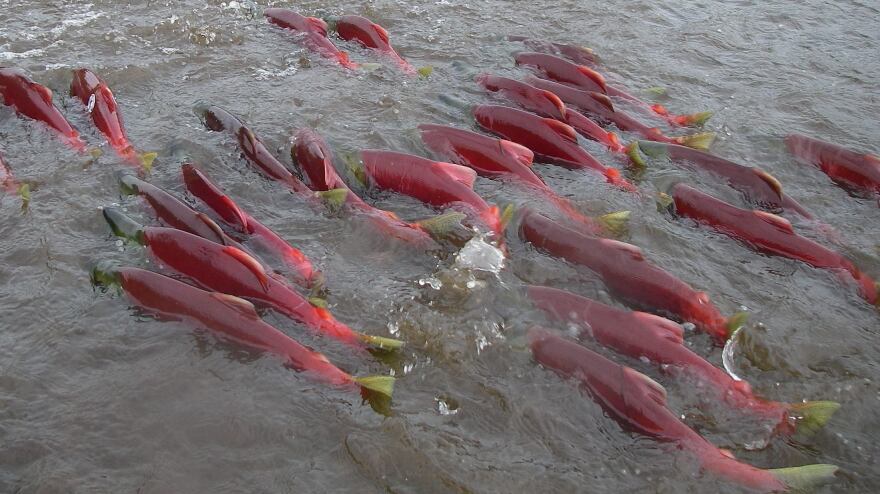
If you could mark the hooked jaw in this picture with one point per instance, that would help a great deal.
(123, 226)
(104, 274)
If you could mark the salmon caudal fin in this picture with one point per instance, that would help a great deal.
(381, 342)
(442, 225)
(505, 217)
(700, 141)
(425, 72)
(123, 226)
(147, 160)
(379, 384)
(812, 415)
(104, 274)
(736, 321)
(334, 198)
(615, 223)
(635, 155)
(692, 120)
(24, 191)
(806, 476)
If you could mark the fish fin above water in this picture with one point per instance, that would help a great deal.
(812, 415)
(652, 388)
(777, 221)
(147, 160)
(562, 129)
(700, 141)
(603, 100)
(661, 326)
(598, 78)
(635, 154)
(250, 263)
(616, 222)
(772, 181)
(318, 24)
(555, 101)
(441, 225)
(736, 321)
(519, 152)
(211, 224)
(383, 34)
(381, 342)
(459, 173)
(379, 384)
(241, 305)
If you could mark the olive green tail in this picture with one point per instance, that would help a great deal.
(442, 225)
(380, 384)
(381, 342)
(615, 223)
(805, 477)
(123, 226)
(736, 321)
(813, 415)
(700, 141)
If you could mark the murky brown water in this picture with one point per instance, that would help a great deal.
(95, 399)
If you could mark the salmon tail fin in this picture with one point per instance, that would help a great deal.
(95, 153)
(616, 222)
(505, 217)
(635, 155)
(24, 191)
(425, 72)
(123, 226)
(381, 342)
(692, 120)
(104, 275)
(147, 160)
(700, 141)
(334, 198)
(806, 476)
(656, 91)
(441, 225)
(665, 203)
(380, 384)
(366, 67)
(736, 321)
(812, 415)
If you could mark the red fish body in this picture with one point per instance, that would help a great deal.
(432, 182)
(227, 316)
(561, 70)
(198, 184)
(34, 101)
(312, 34)
(370, 35)
(101, 105)
(577, 54)
(600, 106)
(311, 153)
(757, 186)
(546, 104)
(626, 273)
(498, 159)
(218, 120)
(638, 404)
(640, 335)
(228, 269)
(547, 138)
(849, 168)
(766, 233)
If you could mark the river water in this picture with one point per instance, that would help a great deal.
(96, 398)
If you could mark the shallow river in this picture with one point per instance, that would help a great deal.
(96, 398)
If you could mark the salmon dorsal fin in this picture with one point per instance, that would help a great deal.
(318, 24)
(238, 213)
(592, 74)
(241, 305)
(630, 249)
(383, 34)
(519, 152)
(661, 327)
(777, 221)
(603, 100)
(772, 181)
(109, 100)
(652, 388)
(250, 263)
(555, 101)
(562, 129)
(44, 92)
(458, 173)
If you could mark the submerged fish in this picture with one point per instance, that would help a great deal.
(757, 186)
(600, 106)
(638, 404)
(563, 71)
(433, 182)
(230, 318)
(580, 55)
(645, 336)
(627, 274)
(547, 138)
(34, 101)
(848, 168)
(227, 269)
(546, 104)
(199, 185)
(311, 32)
(370, 35)
(312, 154)
(769, 234)
(101, 105)
(505, 160)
